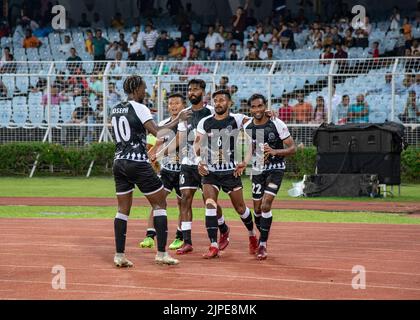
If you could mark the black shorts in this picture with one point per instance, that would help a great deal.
(189, 178)
(128, 174)
(225, 182)
(170, 180)
(266, 182)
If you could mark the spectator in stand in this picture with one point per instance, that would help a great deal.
(275, 46)
(122, 43)
(89, 42)
(263, 55)
(340, 53)
(212, 39)
(97, 22)
(223, 84)
(320, 112)
(349, 40)
(117, 22)
(195, 69)
(43, 30)
(95, 86)
(249, 47)
(189, 46)
(99, 45)
(218, 53)
(4, 29)
(163, 44)
(3, 90)
(326, 55)
(149, 41)
(358, 112)
(270, 56)
(336, 38)
(67, 45)
(56, 97)
(287, 38)
(233, 54)
(285, 111)
(339, 114)
(228, 41)
(415, 46)
(239, 22)
(407, 30)
(84, 22)
(118, 67)
(78, 82)
(416, 85)
(81, 116)
(113, 97)
(375, 50)
(30, 40)
(74, 61)
(327, 39)
(302, 111)
(177, 51)
(202, 51)
(223, 33)
(111, 52)
(135, 49)
(411, 112)
(395, 19)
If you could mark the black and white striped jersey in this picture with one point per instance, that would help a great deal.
(128, 119)
(273, 133)
(221, 142)
(171, 161)
(190, 127)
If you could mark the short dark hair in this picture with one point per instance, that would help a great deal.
(177, 95)
(198, 82)
(225, 92)
(256, 96)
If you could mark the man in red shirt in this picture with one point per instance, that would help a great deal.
(285, 111)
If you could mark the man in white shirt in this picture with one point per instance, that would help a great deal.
(149, 41)
(135, 48)
(67, 45)
(213, 38)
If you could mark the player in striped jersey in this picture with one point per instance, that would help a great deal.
(268, 164)
(170, 169)
(214, 146)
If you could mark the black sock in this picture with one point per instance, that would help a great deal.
(151, 233)
(212, 227)
(223, 227)
(179, 235)
(249, 224)
(186, 235)
(265, 228)
(160, 220)
(120, 232)
(257, 220)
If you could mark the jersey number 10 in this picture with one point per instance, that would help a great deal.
(121, 129)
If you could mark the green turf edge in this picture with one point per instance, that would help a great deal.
(142, 213)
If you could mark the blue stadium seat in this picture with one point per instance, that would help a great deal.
(5, 113)
(20, 115)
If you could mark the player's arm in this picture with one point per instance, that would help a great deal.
(288, 151)
(154, 129)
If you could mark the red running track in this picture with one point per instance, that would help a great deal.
(306, 261)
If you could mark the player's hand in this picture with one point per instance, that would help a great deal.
(239, 170)
(268, 150)
(203, 170)
(184, 115)
(152, 155)
(270, 114)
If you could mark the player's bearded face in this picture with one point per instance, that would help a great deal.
(221, 104)
(195, 95)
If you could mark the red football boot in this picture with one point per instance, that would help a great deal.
(253, 245)
(185, 249)
(212, 253)
(262, 253)
(224, 240)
